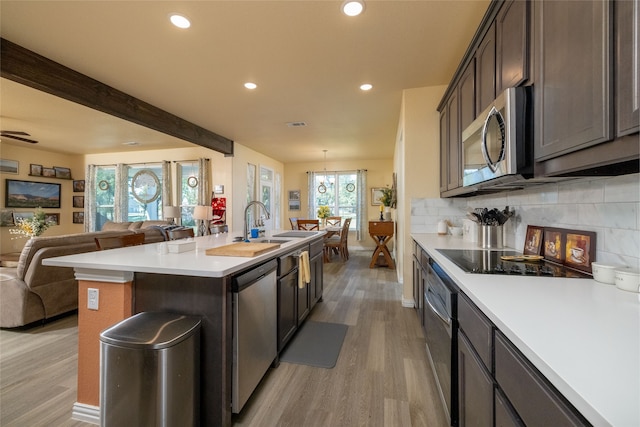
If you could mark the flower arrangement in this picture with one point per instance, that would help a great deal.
(387, 198)
(31, 227)
(324, 212)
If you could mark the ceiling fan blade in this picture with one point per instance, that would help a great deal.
(30, 141)
(15, 132)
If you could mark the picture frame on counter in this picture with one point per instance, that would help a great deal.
(575, 249)
(49, 172)
(533, 240)
(580, 249)
(553, 245)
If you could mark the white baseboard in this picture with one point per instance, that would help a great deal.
(86, 413)
(408, 302)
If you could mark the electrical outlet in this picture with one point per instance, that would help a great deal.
(93, 296)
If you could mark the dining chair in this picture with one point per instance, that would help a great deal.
(308, 224)
(334, 221)
(104, 243)
(183, 233)
(339, 244)
(294, 223)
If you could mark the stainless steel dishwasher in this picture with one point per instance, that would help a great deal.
(255, 326)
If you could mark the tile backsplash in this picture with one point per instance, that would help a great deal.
(608, 206)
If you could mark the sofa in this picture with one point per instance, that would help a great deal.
(32, 292)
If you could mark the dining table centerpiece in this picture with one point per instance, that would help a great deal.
(323, 213)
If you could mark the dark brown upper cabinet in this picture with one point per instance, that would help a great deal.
(485, 58)
(627, 78)
(512, 45)
(573, 78)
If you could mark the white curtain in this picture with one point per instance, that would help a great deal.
(311, 191)
(167, 189)
(361, 210)
(204, 182)
(90, 199)
(121, 198)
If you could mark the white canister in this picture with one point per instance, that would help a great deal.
(443, 227)
(469, 230)
(628, 280)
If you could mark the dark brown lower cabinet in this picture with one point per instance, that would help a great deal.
(287, 307)
(317, 273)
(505, 415)
(475, 387)
(534, 399)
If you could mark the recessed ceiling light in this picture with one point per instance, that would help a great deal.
(131, 143)
(352, 7)
(250, 85)
(180, 21)
(366, 86)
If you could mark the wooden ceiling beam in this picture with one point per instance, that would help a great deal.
(31, 69)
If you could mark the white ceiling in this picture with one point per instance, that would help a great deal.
(307, 58)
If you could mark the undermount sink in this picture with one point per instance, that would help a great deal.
(296, 234)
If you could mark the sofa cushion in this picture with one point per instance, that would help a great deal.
(115, 226)
(150, 223)
(135, 225)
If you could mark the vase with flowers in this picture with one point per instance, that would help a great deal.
(323, 213)
(31, 227)
(388, 201)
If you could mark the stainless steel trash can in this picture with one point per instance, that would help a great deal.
(150, 371)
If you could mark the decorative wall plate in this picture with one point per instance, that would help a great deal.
(192, 181)
(145, 186)
(350, 187)
(103, 185)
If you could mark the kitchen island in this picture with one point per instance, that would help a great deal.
(582, 335)
(148, 278)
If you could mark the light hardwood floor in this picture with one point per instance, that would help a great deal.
(382, 377)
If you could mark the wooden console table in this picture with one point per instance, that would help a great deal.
(381, 232)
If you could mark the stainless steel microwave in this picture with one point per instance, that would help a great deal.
(497, 148)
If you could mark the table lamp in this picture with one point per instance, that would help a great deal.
(203, 215)
(171, 212)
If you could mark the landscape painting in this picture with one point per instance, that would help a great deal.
(31, 194)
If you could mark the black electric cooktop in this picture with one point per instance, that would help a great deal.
(478, 261)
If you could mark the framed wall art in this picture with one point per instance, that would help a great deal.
(21, 215)
(78, 186)
(376, 195)
(35, 170)
(78, 201)
(31, 194)
(52, 218)
(9, 166)
(62, 173)
(294, 205)
(78, 217)
(49, 172)
(294, 195)
(533, 240)
(6, 218)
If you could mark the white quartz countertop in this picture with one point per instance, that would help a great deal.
(584, 336)
(151, 258)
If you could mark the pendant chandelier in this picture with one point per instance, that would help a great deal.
(322, 188)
